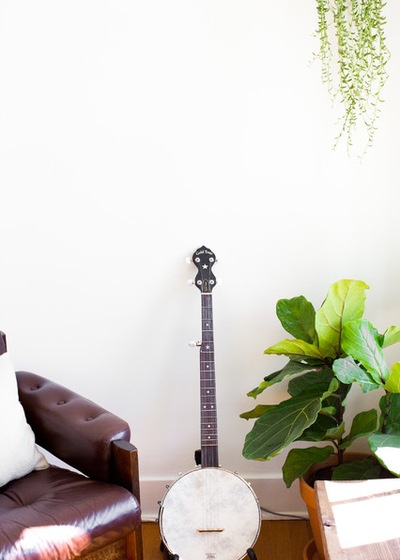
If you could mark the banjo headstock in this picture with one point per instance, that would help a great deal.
(204, 260)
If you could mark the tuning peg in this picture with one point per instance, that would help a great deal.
(188, 260)
(194, 343)
(190, 282)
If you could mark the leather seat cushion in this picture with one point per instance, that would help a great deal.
(57, 513)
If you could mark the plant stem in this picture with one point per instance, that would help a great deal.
(340, 417)
(386, 413)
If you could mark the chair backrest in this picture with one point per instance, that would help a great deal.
(3, 343)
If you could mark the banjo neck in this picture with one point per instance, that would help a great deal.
(208, 402)
(205, 280)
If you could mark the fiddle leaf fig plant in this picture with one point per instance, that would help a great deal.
(334, 347)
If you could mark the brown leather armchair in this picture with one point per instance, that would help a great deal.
(58, 513)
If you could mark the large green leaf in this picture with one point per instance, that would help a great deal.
(298, 461)
(357, 470)
(393, 382)
(318, 430)
(297, 316)
(296, 348)
(390, 413)
(279, 427)
(347, 371)
(391, 335)
(320, 379)
(336, 433)
(364, 423)
(345, 302)
(329, 410)
(386, 447)
(291, 368)
(360, 339)
(256, 412)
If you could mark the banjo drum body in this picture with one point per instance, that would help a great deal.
(209, 514)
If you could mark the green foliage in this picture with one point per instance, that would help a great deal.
(345, 302)
(391, 335)
(393, 383)
(291, 368)
(300, 460)
(386, 447)
(364, 423)
(296, 349)
(348, 371)
(283, 424)
(256, 412)
(335, 348)
(362, 341)
(297, 317)
(357, 470)
(355, 50)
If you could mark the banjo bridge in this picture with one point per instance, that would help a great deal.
(210, 530)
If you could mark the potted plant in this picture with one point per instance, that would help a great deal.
(354, 56)
(334, 348)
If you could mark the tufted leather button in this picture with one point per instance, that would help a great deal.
(61, 402)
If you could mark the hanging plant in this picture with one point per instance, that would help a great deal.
(352, 40)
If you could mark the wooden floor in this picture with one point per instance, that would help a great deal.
(278, 540)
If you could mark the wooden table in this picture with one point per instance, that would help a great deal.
(360, 520)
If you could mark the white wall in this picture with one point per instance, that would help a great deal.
(131, 133)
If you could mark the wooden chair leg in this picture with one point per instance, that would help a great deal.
(134, 545)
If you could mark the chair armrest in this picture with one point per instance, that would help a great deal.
(71, 427)
(125, 467)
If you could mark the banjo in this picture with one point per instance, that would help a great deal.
(209, 513)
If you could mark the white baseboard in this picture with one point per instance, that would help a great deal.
(271, 493)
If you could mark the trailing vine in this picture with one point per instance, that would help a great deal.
(352, 40)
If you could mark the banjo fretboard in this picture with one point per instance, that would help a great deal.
(208, 403)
